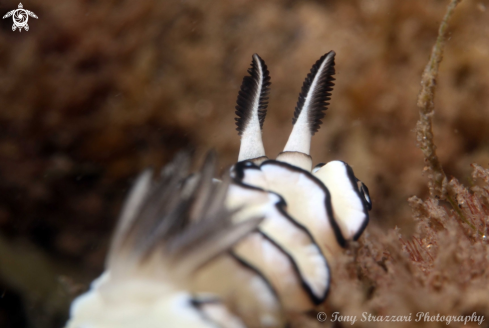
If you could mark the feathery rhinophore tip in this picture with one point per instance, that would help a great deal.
(313, 101)
(252, 99)
(316, 92)
(251, 109)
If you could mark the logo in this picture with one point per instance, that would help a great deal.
(20, 16)
(322, 317)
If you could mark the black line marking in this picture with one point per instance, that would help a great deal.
(252, 268)
(364, 190)
(329, 208)
(280, 205)
(315, 299)
(353, 181)
(239, 168)
(327, 203)
(317, 167)
(197, 305)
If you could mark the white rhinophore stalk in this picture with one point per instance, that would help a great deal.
(316, 91)
(251, 109)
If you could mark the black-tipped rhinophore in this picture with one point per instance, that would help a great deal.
(252, 109)
(313, 101)
(253, 95)
(316, 92)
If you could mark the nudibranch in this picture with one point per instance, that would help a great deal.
(309, 214)
(173, 240)
(248, 250)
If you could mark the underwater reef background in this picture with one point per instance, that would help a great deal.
(95, 92)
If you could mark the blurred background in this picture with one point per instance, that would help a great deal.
(97, 91)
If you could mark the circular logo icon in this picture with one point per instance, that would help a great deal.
(322, 316)
(20, 17)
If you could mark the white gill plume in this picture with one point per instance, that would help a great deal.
(157, 250)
